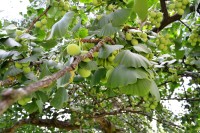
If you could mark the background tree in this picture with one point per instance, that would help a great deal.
(101, 66)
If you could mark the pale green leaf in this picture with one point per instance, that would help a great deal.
(62, 81)
(130, 59)
(142, 48)
(141, 8)
(108, 30)
(40, 105)
(122, 76)
(59, 29)
(120, 16)
(12, 43)
(4, 54)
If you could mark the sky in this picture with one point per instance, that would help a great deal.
(9, 9)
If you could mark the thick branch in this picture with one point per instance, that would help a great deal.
(10, 96)
(164, 8)
(42, 122)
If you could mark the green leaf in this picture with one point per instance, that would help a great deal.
(85, 1)
(122, 76)
(91, 65)
(27, 36)
(30, 59)
(48, 44)
(154, 90)
(44, 70)
(12, 43)
(140, 88)
(4, 54)
(31, 76)
(59, 98)
(59, 29)
(40, 105)
(62, 81)
(106, 50)
(108, 30)
(141, 8)
(142, 48)
(12, 71)
(42, 96)
(130, 59)
(31, 107)
(120, 16)
(98, 75)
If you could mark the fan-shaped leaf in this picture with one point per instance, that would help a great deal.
(12, 43)
(120, 16)
(59, 29)
(130, 59)
(141, 8)
(106, 50)
(122, 76)
(142, 48)
(59, 98)
(108, 30)
(140, 88)
(154, 90)
(98, 75)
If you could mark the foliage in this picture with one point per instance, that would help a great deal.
(107, 66)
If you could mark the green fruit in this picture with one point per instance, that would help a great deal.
(144, 35)
(110, 7)
(159, 14)
(134, 42)
(44, 21)
(18, 32)
(152, 14)
(161, 46)
(84, 72)
(159, 19)
(157, 25)
(66, 6)
(38, 24)
(26, 69)
(185, 2)
(85, 52)
(95, 2)
(111, 58)
(18, 65)
(73, 49)
(152, 106)
(180, 11)
(26, 64)
(95, 54)
(128, 36)
(178, 4)
(171, 6)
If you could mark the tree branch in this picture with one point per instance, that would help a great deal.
(36, 19)
(164, 8)
(9, 96)
(42, 122)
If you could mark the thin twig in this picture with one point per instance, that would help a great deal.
(185, 25)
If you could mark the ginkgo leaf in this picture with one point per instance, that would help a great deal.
(122, 76)
(140, 88)
(154, 90)
(142, 48)
(141, 8)
(108, 30)
(129, 59)
(12, 43)
(59, 29)
(106, 50)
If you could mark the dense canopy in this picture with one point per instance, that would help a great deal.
(101, 66)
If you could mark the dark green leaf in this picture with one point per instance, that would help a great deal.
(98, 75)
(108, 30)
(59, 98)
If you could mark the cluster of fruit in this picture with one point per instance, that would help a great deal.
(150, 103)
(73, 50)
(194, 37)
(163, 42)
(63, 6)
(135, 36)
(41, 24)
(155, 18)
(24, 66)
(178, 6)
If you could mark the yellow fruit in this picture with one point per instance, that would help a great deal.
(38, 24)
(152, 14)
(26, 69)
(44, 21)
(18, 65)
(84, 72)
(111, 58)
(73, 49)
